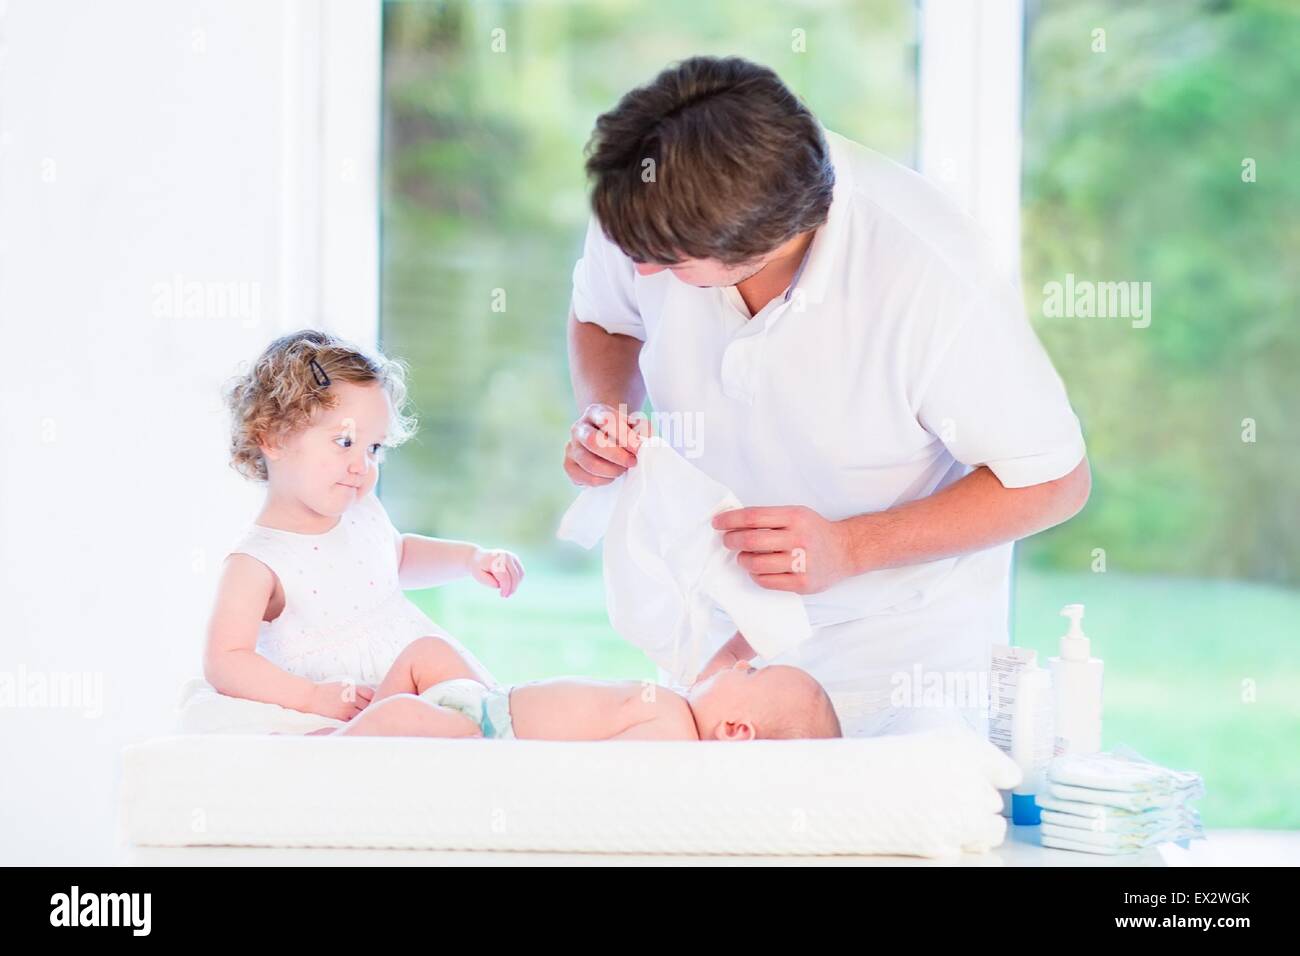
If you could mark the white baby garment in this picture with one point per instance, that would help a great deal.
(345, 616)
(671, 587)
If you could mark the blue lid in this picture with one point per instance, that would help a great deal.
(1024, 811)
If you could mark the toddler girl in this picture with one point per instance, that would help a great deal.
(309, 612)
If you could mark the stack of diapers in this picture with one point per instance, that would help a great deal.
(932, 794)
(1115, 803)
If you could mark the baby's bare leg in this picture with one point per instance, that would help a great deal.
(425, 662)
(406, 716)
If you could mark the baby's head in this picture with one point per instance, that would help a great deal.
(776, 702)
(313, 416)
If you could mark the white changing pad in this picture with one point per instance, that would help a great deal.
(928, 794)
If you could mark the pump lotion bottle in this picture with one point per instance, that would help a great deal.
(1076, 679)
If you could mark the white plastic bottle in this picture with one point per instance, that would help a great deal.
(1076, 680)
(1032, 741)
(1006, 664)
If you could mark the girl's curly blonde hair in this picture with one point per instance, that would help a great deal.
(281, 393)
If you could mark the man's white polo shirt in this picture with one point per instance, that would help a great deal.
(899, 359)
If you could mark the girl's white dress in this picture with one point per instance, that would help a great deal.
(345, 616)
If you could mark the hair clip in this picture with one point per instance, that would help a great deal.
(322, 379)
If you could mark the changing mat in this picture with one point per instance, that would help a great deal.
(931, 794)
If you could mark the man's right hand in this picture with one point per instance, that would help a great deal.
(603, 444)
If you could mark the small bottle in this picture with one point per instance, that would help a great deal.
(1032, 742)
(1076, 679)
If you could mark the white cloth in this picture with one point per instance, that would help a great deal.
(345, 615)
(899, 359)
(667, 572)
(201, 710)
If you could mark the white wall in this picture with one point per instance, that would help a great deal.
(145, 144)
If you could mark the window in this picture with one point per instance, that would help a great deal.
(486, 109)
(1155, 161)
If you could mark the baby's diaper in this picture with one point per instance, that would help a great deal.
(1122, 772)
(489, 707)
(1121, 799)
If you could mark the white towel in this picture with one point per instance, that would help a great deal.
(667, 573)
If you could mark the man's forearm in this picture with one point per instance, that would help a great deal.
(603, 367)
(971, 514)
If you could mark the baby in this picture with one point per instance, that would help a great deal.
(309, 611)
(434, 690)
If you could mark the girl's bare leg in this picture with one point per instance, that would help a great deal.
(425, 662)
(404, 715)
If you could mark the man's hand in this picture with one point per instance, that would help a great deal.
(796, 549)
(603, 444)
(789, 548)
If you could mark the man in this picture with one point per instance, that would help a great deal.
(864, 379)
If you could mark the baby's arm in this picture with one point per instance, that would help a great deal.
(427, 562)
(231, 663)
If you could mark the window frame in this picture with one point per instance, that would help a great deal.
(330, 145)
(970, 92)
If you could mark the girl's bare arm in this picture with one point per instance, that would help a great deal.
(231, 663)
(427, 562)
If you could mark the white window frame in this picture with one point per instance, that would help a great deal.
(971, 82)
(970, 112)
(329, 166)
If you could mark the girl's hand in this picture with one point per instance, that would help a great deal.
(340, 700)
(497, 569)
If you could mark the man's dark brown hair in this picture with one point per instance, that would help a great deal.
(740, 165)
